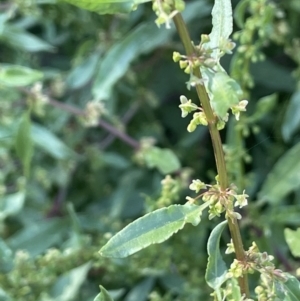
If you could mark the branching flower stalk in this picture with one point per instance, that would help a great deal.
(217, 146)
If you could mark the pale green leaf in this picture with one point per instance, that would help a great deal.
(222, 24)
(46, 140)
(104, 295)
(162, 159)
(292, 288)
(17, 76)
(6, 258)
(216, 268)
(154, 227)
(39, 236)
(224, 92)
(293, 240)
(68, 285)
(107, 6)
(23, 40)
(24, 143)
(4, 296)
(283, 178)
(291, 119)
(11, 204)
(83, 73)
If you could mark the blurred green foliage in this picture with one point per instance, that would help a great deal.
(69, 181)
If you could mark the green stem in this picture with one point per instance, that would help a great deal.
(217, 145)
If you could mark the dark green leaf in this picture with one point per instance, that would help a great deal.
(24, 143)
(46, 140)
(23, 40)
(39, 236)
(16, 76)
(68, 285)
(143, 39)
(283, 178)
(162, 159)
(154, 227)
(291, 119)
(293, 240)
(83, 73)
(270, 74)
(216, 268)
(6, 258)
(141, 290)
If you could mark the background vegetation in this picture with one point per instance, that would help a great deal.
(95, 92)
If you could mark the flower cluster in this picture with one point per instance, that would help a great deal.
(187, 107)
(220, 200)
(261, 262)
(166, 10)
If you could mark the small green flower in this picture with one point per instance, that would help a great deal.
(186, 106)
(176, 56)
(197, 185)
(241, 199)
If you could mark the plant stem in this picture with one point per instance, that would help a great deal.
(217, 146)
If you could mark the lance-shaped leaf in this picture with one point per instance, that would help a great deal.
(154, 227)
(24, 143)
(283, 178)
(293, 240)
(222, 25)
(292, 288)
(107, 6)
(216, 268)
(104, 295)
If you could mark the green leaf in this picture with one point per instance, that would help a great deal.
(103, 296)
(17, 76)
(4, 296)
(239, 12)
(154, 227)
(83, 73)
(269, 74)
(283, 178)
(141, 290)
(292, 287)
(11, 204)
(224, 92)
(293, 240)
(141, 40)
(23, 40)
(39, 236)
(291, 119)
(6, 258)
(216, 268)
(222, 25)
(107, 6)
(68, 285)
(114, 65)
(162, 159)
(46, 140)
(24, 143)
